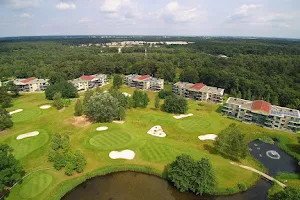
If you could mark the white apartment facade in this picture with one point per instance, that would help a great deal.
(86, 82)
(31, 84)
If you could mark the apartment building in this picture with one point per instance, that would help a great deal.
(31, 84)
(145, 82)
(199, 92)
(263, 113)
(87, 82)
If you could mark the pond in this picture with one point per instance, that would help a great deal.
(273, 158)
(141, 186)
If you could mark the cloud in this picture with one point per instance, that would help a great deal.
(113, 6)
(20, 4)
(243, 14)
(254, 14)
(84, 20)
(174, 12)
(65, 6)
(26, 15)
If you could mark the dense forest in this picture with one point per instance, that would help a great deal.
(261, 68)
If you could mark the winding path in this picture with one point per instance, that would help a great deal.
(260, 173)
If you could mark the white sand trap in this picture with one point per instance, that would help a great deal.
(45, 107)
(102, 128)
(26, 135)
(125, 154)
(126, 94)
(182, 116)
(208, 137)
(157, 131)
(15, 111)
(118, 122)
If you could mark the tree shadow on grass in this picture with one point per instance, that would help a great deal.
(213, 150)
(219, 110)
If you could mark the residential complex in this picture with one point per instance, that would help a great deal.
(145, 82)
(87, 82)
(199, 92)
(31, 84)
(263, 113)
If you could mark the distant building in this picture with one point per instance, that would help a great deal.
(263, 113)
(145, 82)
(199, 92)
(31, 84)
(87, 82)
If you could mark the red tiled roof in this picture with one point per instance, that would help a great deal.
(141, 78)
(261, 106)
(28, 80)
(87, 78)
(198, 86)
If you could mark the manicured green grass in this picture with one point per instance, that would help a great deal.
(27, 145)
(35, 185)
(109, 140)
(152, 153)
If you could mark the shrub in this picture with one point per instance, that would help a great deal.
(162, 94)
(242, 187)
(57, 101)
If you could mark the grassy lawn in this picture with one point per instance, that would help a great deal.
(151, 152)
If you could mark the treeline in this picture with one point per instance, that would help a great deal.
(272, 74)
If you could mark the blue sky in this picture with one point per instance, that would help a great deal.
(267, 18)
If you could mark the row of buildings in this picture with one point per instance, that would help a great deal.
(82, 83)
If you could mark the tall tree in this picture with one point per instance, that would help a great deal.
(188, 175)
(10, 169)
(5, 119)
(5, 98)
(231, 143)
(140, 99)
(103, 108)
(156, 103)
(87, 96)
(118, 81)
(175, 104)
(13, 88)
(78, 108)
(189, 74)
(57, 101)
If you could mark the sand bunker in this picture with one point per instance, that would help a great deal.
(118, 122)
(126, 94)
(125, 154)
(15, 111)
(102, 128)
(45, 107)
(157, 131)
(26, 135)
(182, 116)
(208, 137)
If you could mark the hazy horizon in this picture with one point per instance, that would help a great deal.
(233, 18)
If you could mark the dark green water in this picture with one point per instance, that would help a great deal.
(140, 186)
